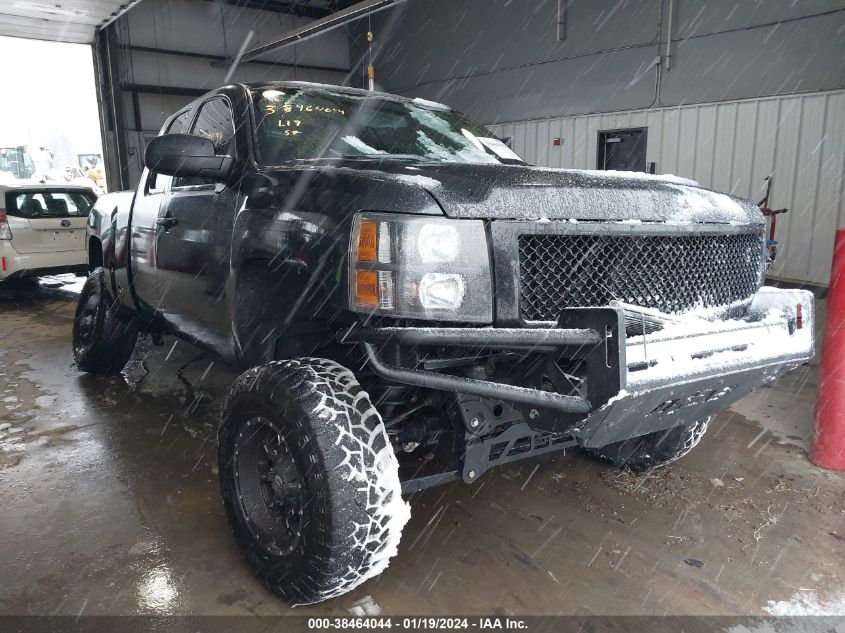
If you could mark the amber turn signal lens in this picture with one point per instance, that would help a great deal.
(366, 288)
(367, 241)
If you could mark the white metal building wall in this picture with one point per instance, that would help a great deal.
(730, 146)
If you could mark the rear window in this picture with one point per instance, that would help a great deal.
(49, 204)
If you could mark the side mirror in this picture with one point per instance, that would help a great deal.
(187, 156)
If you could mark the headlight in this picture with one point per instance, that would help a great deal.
(421, 268)
(437, 242)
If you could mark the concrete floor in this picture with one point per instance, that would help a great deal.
(110, 505)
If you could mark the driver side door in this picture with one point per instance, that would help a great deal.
(194, 243)
(145, 231)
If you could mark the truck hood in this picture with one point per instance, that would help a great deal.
(516, 192)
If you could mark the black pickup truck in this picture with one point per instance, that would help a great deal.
(394, 279)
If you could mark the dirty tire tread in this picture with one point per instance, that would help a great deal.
(354, 513)
(114, 337)
(648, 452)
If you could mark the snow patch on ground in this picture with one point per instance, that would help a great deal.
(366, 606)
(69, 283)
(807, 602)
(788, 625)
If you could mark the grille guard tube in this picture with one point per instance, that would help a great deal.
(592, 334)
(474, 387)
(508, 338)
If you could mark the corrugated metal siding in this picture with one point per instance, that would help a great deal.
(731, 146)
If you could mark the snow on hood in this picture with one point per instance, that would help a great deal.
(517, 192)
(422, 181)
(611, 175)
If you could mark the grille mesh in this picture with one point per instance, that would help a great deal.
(670, 273)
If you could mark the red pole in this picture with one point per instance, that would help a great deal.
(828, 446)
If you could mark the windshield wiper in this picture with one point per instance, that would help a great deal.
(409, 157)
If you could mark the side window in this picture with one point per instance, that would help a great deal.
(180, 124)
(215, 123)
(156, 183)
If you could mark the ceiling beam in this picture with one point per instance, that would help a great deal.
(299, 8)
(220, 58)
(178, 91)
(118, 13)
(322, 25)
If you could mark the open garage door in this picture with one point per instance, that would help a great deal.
(49, 125)
(151, 57)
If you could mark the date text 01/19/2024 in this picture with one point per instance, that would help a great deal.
(418, 623)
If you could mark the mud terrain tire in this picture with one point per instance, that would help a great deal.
(332, 513)
(645, 453)
(102, 340)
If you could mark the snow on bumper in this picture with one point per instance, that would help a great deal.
(694, 368)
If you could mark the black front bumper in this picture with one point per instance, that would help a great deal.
(635, 385)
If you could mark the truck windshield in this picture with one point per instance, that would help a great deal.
(304, 124)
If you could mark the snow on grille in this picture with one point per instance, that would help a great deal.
(671, 273)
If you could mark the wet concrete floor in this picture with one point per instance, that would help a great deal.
(109, 505)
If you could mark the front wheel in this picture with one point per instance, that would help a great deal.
(645, 453)
(103, 340)
(309, 479)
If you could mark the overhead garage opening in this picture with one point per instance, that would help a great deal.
(148, 64)
(49, 128)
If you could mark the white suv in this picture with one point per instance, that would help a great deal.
(42, 228)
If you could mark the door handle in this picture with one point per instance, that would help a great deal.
(167, 222)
